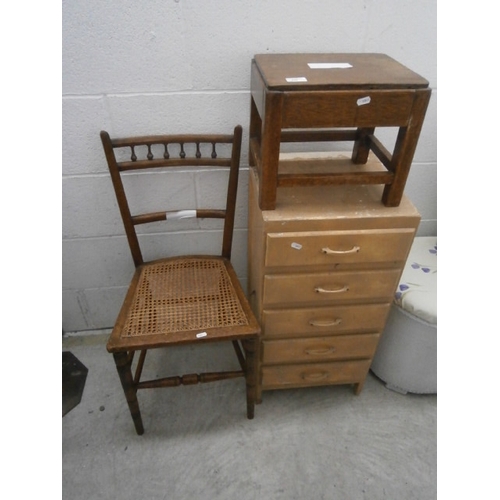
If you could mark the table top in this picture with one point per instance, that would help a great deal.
(339, 71)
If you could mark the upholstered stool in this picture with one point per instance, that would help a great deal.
(406, 357)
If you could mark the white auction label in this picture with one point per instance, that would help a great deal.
(297, 79)
(181, 214)
(329, 65)
(363, 101)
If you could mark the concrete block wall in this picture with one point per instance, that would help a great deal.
(164, 65)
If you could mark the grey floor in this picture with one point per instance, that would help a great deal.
(308, 444)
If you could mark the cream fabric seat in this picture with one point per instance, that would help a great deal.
(406, 358)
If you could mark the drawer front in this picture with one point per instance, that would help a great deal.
(319, 349)
(360, 108)
(324, 320)
(322, 288)
(306, 375)
(337, 247)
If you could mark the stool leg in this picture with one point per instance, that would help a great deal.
(255, 132)
(270, 150)
(123, 365)
(250, 347)
(406, 143)
(361, 148)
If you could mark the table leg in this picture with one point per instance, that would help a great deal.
(406, 143)
(361, 148)
(255, 131)
(270, 150)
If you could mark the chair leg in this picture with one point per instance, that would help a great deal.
(124, 367)
(250, 347)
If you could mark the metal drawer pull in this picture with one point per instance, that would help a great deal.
(320, 351)
(329, 251)
(314, 376)
(324, 323)
(345, 288)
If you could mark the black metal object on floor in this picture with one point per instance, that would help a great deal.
(74, 374)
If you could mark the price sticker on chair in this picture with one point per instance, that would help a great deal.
(201, 335)
(181, 214)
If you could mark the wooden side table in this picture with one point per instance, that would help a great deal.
(334, 97)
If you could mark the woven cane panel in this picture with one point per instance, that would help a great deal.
(183, 295)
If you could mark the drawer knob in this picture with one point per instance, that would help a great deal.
(344, 289)
(329, 251)
(325, 323)
(314, 376)
(320, 351)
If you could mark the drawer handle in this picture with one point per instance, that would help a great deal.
(320, 351)
(314, 376)
(329, 251)
(325, 323)
(344, 289)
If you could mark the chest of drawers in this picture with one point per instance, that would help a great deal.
(323, 269)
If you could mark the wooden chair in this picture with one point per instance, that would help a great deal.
(179, 300)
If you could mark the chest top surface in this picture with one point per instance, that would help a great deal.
(338, 71)
(317, 207)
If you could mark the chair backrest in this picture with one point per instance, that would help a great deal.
(137, 145)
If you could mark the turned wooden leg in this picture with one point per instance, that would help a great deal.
(250, 347)
(123, 365)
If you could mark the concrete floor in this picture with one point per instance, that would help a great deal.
(308, 444)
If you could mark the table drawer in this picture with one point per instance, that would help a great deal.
(324, 288)
(309, 374)
(324, 320)
(356, 108)
(338, 247)
(320, 348)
